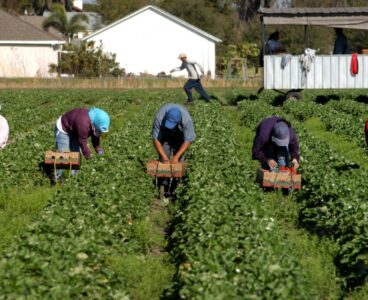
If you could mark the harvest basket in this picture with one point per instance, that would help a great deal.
(169, 170)
(281, 179)
(63, 160)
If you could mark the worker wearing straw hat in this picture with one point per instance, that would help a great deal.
(194, 80)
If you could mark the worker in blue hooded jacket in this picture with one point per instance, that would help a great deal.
(172, 132)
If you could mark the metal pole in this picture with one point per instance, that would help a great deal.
(306, 36)
(263, 51)
(263, 35)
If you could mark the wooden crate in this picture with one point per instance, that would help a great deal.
(285, 179)
(63, 160)
(159, 169)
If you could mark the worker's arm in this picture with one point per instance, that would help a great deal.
(182, 67)
(184, 147)
(295, 164)
(160, 150)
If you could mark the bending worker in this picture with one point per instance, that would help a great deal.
(276, 144)
(73, 129)
(172, 132)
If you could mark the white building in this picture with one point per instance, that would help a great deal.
(150, 40)
(25, 50)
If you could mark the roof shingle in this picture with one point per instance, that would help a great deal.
(13, 28)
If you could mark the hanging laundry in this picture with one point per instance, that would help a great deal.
(306, 60)
(285, 59)
(354, 65)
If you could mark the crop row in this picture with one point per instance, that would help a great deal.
(341, 123)
(66, 253)
(226, 242)
(32, 116)
(333, 200)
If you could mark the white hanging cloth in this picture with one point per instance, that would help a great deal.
(4, 132)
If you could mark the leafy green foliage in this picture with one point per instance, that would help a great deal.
(333, 199)
(59, 20)
(89, 61)
(226, 244)
(93, 239)
(65, 252)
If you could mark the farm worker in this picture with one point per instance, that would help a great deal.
(273, 44)
(366, 132)
(275, 144)
(194, 80)
(73, 129)
(341, 43)
(4, 132)
(172, 132)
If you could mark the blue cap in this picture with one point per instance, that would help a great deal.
(99, 119)
(281, 134)
(172, 117)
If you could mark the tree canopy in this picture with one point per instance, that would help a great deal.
(59, 20)
(235, 22)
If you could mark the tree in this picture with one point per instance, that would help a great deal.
(237, 57)
(59, 20)
(112, 10)
(87, 61)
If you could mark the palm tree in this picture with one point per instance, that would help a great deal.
(59, 20)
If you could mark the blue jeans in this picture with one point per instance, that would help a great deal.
(171, 148)
(65, 142)
(281, 156)
(197, 85)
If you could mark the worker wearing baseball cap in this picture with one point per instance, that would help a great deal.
(73, 129)
(276, 144)
(194, 80)
(172, 132)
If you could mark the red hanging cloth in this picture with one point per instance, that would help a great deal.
(354, 66)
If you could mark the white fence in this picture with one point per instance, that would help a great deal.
(327, 72)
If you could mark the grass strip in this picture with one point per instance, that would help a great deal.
(316, 256)
(337, 142)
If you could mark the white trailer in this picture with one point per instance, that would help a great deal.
(327, 71)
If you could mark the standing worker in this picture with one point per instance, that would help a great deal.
(194, 80)
(366, 132)
(273, 44)
(4, 132)
(341, 43)
(172, 132)
(276, 144)
(73, 129)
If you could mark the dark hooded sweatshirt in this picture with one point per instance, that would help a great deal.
(263, 145)
(77, 123)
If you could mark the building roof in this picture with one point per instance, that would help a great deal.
(164, 14)
(37, 22)
(314, 11)
(338, 17)
(21, 32)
